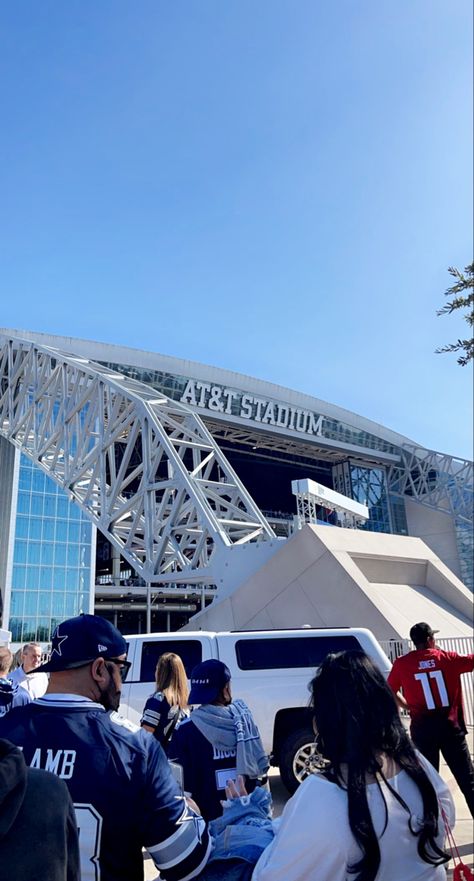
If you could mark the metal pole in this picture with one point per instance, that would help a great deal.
(148, 607)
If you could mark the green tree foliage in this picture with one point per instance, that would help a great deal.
(462, 294)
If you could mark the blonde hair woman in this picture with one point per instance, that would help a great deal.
(169, 704)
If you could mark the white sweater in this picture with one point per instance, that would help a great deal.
(314, 841)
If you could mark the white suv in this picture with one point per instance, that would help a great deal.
(271, 671)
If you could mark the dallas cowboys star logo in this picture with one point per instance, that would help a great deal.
(58, 643)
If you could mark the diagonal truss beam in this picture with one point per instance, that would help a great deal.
(434, 479)
(144, 468)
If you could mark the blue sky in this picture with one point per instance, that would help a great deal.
(273, 187)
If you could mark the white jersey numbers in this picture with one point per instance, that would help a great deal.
(437, 676)
(89, 824)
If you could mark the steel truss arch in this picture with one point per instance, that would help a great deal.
(435, 480)
(143, 468)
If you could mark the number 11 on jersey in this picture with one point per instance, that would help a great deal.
(437, 676)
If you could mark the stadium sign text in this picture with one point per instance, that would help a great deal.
(220, 399)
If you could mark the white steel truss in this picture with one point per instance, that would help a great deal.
(435, 480)
(144, 468)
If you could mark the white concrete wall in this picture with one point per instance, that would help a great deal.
(437, 530)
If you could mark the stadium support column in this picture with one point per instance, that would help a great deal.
(148, 607)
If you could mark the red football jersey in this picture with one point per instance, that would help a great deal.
(430, 681)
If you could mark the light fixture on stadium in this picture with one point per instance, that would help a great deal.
(310, 495)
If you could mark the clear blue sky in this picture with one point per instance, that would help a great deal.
(274, 187)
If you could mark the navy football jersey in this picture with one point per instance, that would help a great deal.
(121, 784)
(206, 769)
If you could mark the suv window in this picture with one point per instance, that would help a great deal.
(284, 652)
(190, 652)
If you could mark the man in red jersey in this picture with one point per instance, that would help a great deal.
(432, 693)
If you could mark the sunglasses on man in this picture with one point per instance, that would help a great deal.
(124, 666)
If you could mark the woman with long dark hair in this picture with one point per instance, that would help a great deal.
(374, 813)
(169, 704)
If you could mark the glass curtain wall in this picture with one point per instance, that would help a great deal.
(51, 574)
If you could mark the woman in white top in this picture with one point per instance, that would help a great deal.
(374, 813)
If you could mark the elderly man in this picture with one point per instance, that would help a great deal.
(120, 781)
(27, 674)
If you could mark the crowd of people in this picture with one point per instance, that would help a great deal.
(190, 784)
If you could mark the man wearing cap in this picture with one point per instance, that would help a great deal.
(120, 781)
(219, 740)
(432, 693)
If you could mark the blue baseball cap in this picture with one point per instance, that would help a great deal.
(82, 639)
(207, 681)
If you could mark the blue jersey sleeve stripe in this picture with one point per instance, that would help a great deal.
(177, 854)
(150, 717)
(180, 838)
(195, 873)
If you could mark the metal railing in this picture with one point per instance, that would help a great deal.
(463, 645)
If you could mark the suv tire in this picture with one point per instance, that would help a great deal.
(299, 757)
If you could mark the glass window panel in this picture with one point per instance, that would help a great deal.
(28, 630)
(44, 603)
(85, 556)
(74, 532)
(57, 606)
(71, 605)
(60, 554)
(15, 627)
(47, 552)
(34, 549)
(38, 480)
(19, 577)
(19, 554)
(23, 504)
(71, 581)
(16, 603)
(63, 506)
(46, 578)
(59, 578)
(31, 603)
(37, 504)
(48, 530)
(73, 555)
(50, 506)
(85, 534)
(32, 577)
(43, 629)
(61, 530)
(21, 530)
(35, 528)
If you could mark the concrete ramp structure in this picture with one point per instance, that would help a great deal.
(334, 577)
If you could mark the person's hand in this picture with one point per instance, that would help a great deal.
(192, 804)
(235, 789)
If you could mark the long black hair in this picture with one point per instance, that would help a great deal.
(357, 721)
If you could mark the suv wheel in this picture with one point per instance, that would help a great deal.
(299, 757)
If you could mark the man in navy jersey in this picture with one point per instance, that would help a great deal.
(219, 741)
(431, 682)
(123, 791)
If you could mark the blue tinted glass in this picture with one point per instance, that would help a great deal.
(37, 504)
(71, 579)
(35, 528)
(59, 578)
(19, 577)
(31, 603)
(47, 552)
(60, 554)
(15, 627)
(74, 532)
(48, 530)
(16, 602)
(19, 554)
(44, 603)
(21, 526)
(32, 577)
(50, 506)
(71, 605)
(85, 535)
(57, 605)
(63, 506)
(61, 530)
(23, 504)
(34, 548)
(46, 578)
(73, 555)
(38, 480)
